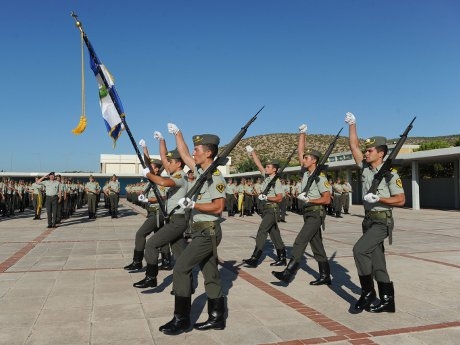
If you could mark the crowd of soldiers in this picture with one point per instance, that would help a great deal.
(60, 196)
(242, 197)
(311, 195)
(184, 213)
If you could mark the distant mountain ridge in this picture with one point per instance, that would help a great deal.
(280, 145)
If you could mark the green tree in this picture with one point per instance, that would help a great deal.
(432, 145)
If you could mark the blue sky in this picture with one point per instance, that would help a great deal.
(208, 66)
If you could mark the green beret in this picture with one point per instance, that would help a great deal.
(375, 141)
(173, 154)
(273, 162)
(312, 152)
(205, 139)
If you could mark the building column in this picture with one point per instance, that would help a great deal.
(415, 186)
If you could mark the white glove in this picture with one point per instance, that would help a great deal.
(157, 135)
(303, 196)
(249, 149)
(350, 118)
(145, 171)
(142, 142)
(371, 198)
(142, 198)
(172, 128)
(262, 197)
(303, 128)
(185, 203)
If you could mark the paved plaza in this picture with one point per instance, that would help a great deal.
(66, 286)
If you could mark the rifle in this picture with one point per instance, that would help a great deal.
(114, 96)
(321, 165)
(221, 159)
(278, 173)
(386, 167)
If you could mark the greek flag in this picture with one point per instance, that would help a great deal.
(112, 109)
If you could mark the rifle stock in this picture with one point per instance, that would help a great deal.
(322, 164)
(386, 167)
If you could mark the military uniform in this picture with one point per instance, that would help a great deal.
(3, 185)
(240, 190)
(248, 195)
(92, 190)
(51, 202)
(10, 198)
(369, 251)
(37, 200)
(269, 226)
(314, 218)
(114, 196)
(172, 232)
(346, 187)
(230, 199)
(337, 190)
(206, 235)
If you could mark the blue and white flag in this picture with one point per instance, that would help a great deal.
(112, 109)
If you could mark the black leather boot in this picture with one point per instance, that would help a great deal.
(166, 262)
(181, 320)
(150, 279)
(324, 274)
(253, 261)
(281, 261)
(216, 312)
(387, 299)
(137, 261)
(289, 272)
(367, 294)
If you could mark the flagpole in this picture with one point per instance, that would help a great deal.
(114, 96)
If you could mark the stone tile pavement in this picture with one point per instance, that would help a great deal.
(66, 286)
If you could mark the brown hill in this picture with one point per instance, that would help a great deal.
(280, 145)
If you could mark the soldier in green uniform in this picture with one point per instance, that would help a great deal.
(346, 187)
(313, 215)
(269, 225)
(53, 195)
(369, 252)
(153, 223)
(173, 231)
(230, 198)
(92, 190)
(337, 189)
(113, 189)
(207, 206)
(36, 191)
(3, 185)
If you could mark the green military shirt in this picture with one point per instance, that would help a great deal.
(321, 185)
(51, 187)
(390, 185)
(213, 188)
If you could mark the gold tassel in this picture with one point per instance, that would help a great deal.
(82, 124)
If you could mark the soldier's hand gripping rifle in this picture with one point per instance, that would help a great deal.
(278, 173)
(386, 167)
(321, 164)
(221, 159)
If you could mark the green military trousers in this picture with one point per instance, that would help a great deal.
(310, 233)
(200, 251)
(269, 227)
(153, 223)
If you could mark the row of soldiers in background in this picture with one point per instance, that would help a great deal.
(72, 195)
(19, 195)
(340, 197)
(242, 197)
